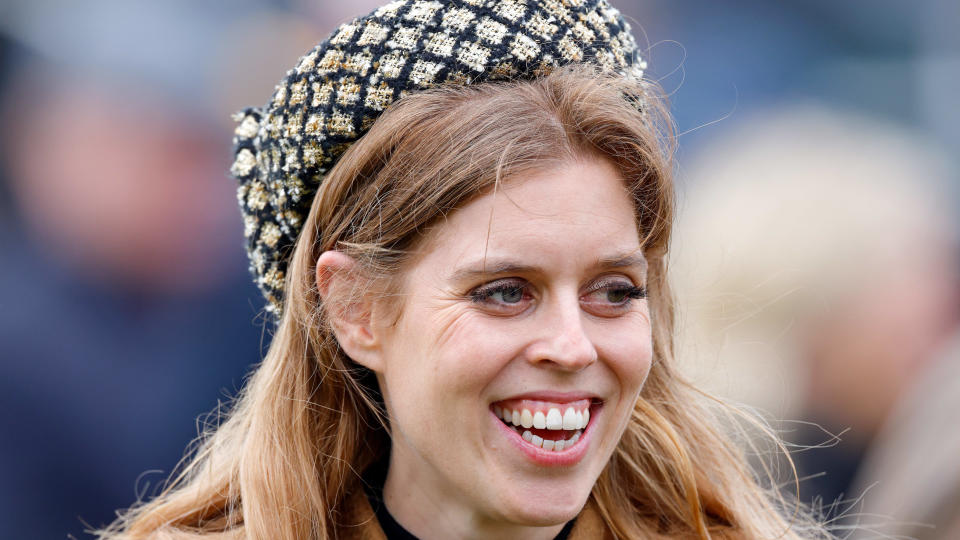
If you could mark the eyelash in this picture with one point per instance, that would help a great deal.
(630, 292)
(484, 292)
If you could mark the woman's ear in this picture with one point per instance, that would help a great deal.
(345, 294)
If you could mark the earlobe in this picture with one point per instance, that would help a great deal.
(344, 292)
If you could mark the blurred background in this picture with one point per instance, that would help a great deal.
(815, 255)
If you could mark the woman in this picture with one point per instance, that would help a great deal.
(474, 336)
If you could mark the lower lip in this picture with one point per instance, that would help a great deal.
(550, 458)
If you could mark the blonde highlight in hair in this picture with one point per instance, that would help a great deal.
(310, 420)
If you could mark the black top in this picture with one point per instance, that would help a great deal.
(374, 479)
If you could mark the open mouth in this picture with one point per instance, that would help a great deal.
(550, 426)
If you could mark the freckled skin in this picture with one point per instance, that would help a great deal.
(449, 357)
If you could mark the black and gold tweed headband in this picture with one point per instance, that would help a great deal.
(283, 150)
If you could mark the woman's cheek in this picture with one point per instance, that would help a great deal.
(627, 347)
(481, 343)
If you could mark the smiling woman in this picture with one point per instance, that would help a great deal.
(519, 302)
(474, 322)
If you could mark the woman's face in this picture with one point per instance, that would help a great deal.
(527, 303)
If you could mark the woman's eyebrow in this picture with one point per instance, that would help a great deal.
(491, 267)
(635, 259)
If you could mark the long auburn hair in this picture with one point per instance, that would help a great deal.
(283, 462)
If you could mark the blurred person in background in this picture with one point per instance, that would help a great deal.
(120, 307)
(912, 473)
(817, 263)
(126, 304)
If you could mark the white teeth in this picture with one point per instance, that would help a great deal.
(554, 419)
(570, 420)
(548, 444)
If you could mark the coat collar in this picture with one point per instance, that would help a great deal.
(360, 522)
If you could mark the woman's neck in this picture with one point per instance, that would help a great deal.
(426, 510)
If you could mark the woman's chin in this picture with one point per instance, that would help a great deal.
(543, 509)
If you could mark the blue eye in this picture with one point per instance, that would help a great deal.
(500, 292)
(612, 298)
(509, 295)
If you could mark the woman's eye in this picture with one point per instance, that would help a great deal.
(509, 295)
(605, 298)
(617, 296)
(506, 294)
(612, 298)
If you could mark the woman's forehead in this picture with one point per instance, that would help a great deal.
(578, 210)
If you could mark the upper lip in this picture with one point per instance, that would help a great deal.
(553, 396)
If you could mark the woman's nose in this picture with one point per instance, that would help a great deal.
(562, 340)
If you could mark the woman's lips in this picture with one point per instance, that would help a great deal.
(548, 432)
